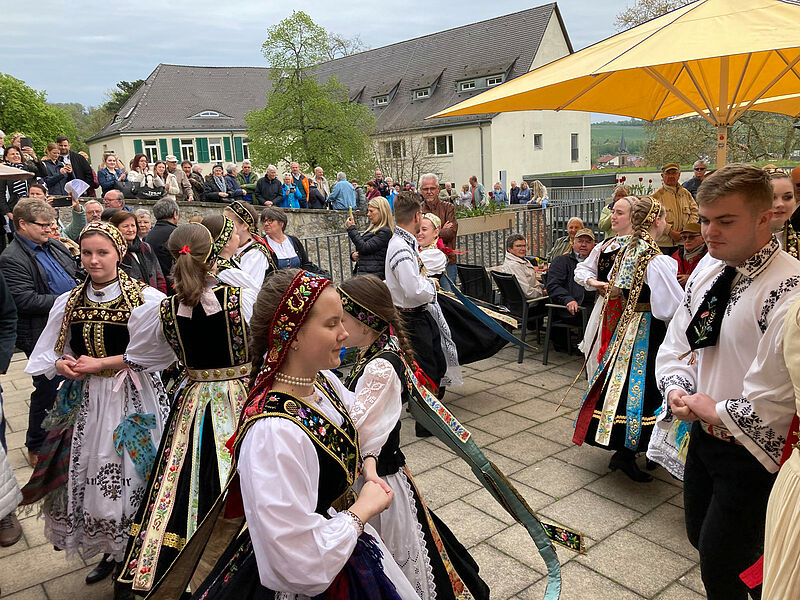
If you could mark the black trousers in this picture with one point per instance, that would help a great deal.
(42, 398)
(423, 333)
(725, 492)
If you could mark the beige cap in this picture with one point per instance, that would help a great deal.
(585, 231)
(670, 167)
(171, 158)
(691, 228)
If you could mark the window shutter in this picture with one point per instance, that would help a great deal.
(226, 142)
(137, 147)
(162, 147)
(202, 150)
(238, 150)
(176, 148)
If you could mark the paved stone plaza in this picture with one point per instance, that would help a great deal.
(635, 539)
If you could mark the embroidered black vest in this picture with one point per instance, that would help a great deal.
(99, 329)
(189, 338)
(604, 263)
(336, 446)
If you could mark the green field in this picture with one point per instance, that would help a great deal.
(606, 138)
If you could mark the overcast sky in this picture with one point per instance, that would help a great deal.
(76, 51)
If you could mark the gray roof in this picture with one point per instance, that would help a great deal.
(174, 93)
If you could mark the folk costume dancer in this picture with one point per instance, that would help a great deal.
(254, 256)
(112, 417)
(433, 560)
(592, 274)
(618, 410)
(731, 383)
(296, 456)
(204, 326)
(784, 203)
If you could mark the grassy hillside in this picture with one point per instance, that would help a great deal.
(606, 137)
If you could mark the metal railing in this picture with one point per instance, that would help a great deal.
(540, 227)
(581, 194)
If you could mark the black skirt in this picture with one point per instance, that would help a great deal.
(474, 341)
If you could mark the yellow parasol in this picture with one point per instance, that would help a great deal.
(714, 58)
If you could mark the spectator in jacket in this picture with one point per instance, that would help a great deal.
(162, 177)
(140, 261)
(381, 183)
(299, 180)
(479, 197)
(561, 285)
(370, 254)
(110, 173)
(94, 185)
(80, 166)
(247, 179)
(679, 205)
(291, 196)
(114, 199)
(216, 187)
(700, 167)
(361, 195)
(392, 192)
(563, 245)
(16, 189)
(235, 191)
(29, 158)
(523, 194)
(143, 222)
(57, 172)
(165, 212)
(429, 186)
(10, 496)
(322, 183)
(499, 195)
(288, 249)
(343, 194)
(315, 197)
(372, 190)
(515, 264)
(184, 193)
(269, 189)
(37, 270)
(71, 231)
(513, 192)
(94, 211)
(140, 171)
(195, 176)
(465, 197)
(690, 253)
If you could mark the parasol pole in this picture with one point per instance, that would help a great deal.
(722, 145)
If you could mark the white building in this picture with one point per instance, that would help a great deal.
(197, 113)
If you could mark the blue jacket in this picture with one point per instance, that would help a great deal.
(500, 197)
(294, 199)
(107, 179)
(342, 196)
(235, 191)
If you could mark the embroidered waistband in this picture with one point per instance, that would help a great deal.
(642, 307)
(221, 374)
(417, 309)
(719, 432)
(106, 373)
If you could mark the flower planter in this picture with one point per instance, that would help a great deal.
(493, 222)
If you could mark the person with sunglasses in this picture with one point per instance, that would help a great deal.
(700, 169)
(690, 253)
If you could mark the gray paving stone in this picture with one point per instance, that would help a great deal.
(538, 410)
(580, 583)
(547, 380)
(421, 456)
(590, 514)
(505, 464)
(470, 525)
(665, 526)
(483, 501)
(502, 423)
(642, 497)
(571, 399)
(555, 477)
(516, 391)
(439, 487)
(471, 386)
(497, 376)
(559, 430)
(636, 563)
(49, 564)
(504, 575)
(525, 447)
(73, 585)
(488, 363)
(482, 403)
(679, 592)
(31, 593)
(586, 457)
(694, 581)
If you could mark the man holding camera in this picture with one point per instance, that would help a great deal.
(80, 166)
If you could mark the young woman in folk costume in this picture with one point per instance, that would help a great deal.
(433, 560)
(592, 274)
(254, 255)
(115, 416)
(783, 206)
(618, 410)
(296, 456)
(204, 326)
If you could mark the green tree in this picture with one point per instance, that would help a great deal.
(305, 120)
(119, 94)
(24, 109)
(644, 10)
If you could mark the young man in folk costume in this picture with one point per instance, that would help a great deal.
(255, 257)
(731, 384)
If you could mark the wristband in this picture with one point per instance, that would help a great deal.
(356, 520)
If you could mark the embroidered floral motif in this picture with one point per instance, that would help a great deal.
(109, 480)
(678, 380)
(772, 299)
(741, 411)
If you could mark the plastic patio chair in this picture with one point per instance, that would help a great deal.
(528, 312)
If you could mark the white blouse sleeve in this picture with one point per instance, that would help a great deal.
(377, 405)
(148, 349)
(255, 264)
(587, 268)
(43, 358)
(665, 291)
(248, 286)
(297, 550)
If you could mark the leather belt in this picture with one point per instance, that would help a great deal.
(642, 307)
(219, 374)
(719, 432)
(417, 309)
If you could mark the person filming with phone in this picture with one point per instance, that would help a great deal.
(292, 196)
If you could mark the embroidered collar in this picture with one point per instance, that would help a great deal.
(406, 237)
(757, 264)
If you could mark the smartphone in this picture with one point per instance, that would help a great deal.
(25, 141)
(350, 210)
(291, 189)
(61, 201)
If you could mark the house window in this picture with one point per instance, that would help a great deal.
(440, 145)
(394, 149)
(467, 85)
(215, 149)
(246, 149)
(574, 147)
(151, 150)
(419, 94)
(187, 150)
(382, 100)
(494, 80)
(537, 141)
(210, 114)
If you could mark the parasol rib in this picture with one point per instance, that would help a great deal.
(667, 84)
(700, 90)
(666, 96)
(789, 66)
(734, 98)
(598, 80)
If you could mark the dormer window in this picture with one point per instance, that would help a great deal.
(381, 100)
(494, 80)
(467, 85)
(423, 93)
(210, 114)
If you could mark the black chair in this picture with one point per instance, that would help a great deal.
(528, 312)
(475, 282)
(570, 326)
